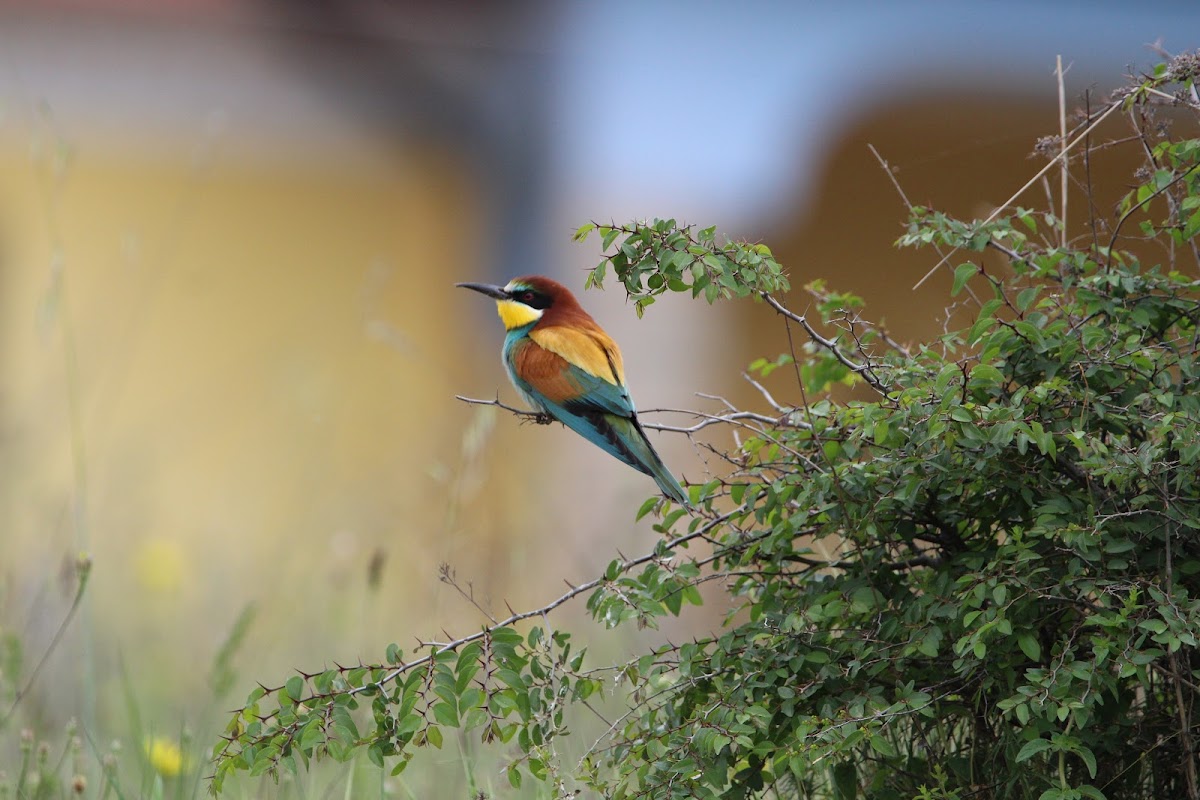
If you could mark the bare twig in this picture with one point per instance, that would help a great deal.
(1062, 141)
(887, 168)
(766, 395)
(717, 419)
(719, 399)
(446, 575)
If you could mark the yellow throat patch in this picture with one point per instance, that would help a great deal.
(516, 315)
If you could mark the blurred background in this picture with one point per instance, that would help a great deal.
(229, 337)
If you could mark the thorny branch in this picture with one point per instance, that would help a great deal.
(662, 552)
(659, 552)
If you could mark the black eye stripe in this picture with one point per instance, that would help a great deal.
(532, 298)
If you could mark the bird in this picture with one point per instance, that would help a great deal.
(565, 366)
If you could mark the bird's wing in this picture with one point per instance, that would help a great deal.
(557, 382)
(588, 348)
(593, 405)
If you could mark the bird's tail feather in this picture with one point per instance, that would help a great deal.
(624, 438)
(630, 438)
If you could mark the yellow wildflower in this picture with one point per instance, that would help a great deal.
(165, 756)
(160, 564)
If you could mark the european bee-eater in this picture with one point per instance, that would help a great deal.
(566, 366)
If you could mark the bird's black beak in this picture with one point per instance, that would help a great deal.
(497, 292)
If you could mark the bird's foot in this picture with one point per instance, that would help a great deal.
(542, 418)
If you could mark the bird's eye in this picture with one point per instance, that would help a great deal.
(527, 298)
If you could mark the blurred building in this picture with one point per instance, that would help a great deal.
(229, 231)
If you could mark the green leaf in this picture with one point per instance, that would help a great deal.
(986, 373)
(295, 688)
(446, 714)
(845, 781)
(433, 735)
(1026, 297)
(962, 274)
(882, 746)
(1089, 759)
(1032, 748)
(1192, 227)
(613, 571)
(1029, 645)
(608, 236)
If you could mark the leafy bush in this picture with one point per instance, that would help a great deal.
(981, 578)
